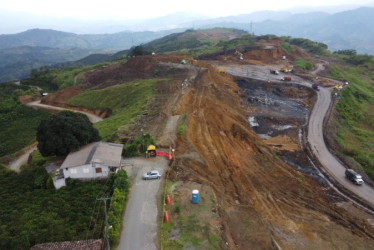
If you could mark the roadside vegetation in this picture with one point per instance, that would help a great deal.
(181, 128)
(355, 107)
(18, 122)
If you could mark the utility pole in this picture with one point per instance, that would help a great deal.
(104, 199)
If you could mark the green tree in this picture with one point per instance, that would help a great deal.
(64, 132)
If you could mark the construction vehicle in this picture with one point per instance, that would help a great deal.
(284, 70)
(315, 86)
(239, 55)
(286, 78)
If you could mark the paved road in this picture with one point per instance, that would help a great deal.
(140, 223)
(329, 162)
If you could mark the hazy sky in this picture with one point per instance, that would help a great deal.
(142, 9)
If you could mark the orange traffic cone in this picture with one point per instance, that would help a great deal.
(166, 216)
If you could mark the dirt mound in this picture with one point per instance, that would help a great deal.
(283, 207)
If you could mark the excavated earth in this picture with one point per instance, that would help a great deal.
(268, 194)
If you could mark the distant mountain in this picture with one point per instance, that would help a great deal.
(352, 29)
(64, 40)
(17, 63)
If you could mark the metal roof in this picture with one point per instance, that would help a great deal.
(104, 153)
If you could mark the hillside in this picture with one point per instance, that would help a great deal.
(17, 63)
(261, 201)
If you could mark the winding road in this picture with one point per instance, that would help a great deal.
(315, 138)
(315, 134)
(22, 159)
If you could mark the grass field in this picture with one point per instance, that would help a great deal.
(124, 100)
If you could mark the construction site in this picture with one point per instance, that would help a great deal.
(244, 145)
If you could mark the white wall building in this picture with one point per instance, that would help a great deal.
(93, 161)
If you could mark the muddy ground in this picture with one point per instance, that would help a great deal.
(268, 194)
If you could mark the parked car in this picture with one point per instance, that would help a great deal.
(154, 174)
(354, 177)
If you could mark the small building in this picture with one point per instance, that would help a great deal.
(93, 161)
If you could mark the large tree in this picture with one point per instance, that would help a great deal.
(64, 132)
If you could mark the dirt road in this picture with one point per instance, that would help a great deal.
(22, 159)
(93, 118)
(140, 223)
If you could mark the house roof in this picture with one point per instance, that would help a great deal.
(104, 153)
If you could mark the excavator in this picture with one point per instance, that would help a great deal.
(239, 55)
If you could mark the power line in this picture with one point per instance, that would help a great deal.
(104, 199)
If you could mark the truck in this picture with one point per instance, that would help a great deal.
(286, 78)
(275, 72)
(315, 86)
(353, 176)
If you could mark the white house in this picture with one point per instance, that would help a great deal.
(93, 161)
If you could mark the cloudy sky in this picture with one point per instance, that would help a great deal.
(98, 16)
(140, 9)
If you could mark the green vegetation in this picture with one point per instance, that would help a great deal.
(308, 45)
(181, 125)
(51, 80)
(138, 145)
(124, 100)
(117, 204)
(33, 212)
(65, 132)
(287, 47)
(355, 106)
(190, 221)
(302, 64)
(18, 123)
(197, 42)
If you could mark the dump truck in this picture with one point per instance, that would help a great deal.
(353, 176)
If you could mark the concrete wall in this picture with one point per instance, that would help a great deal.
(89, 171)
(59, 183)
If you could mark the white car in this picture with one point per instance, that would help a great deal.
(154, 174)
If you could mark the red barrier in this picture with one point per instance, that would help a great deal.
(168, 156)
(160, 153)
(168, 200)
(166, 216)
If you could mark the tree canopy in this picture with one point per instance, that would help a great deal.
(64, 132)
